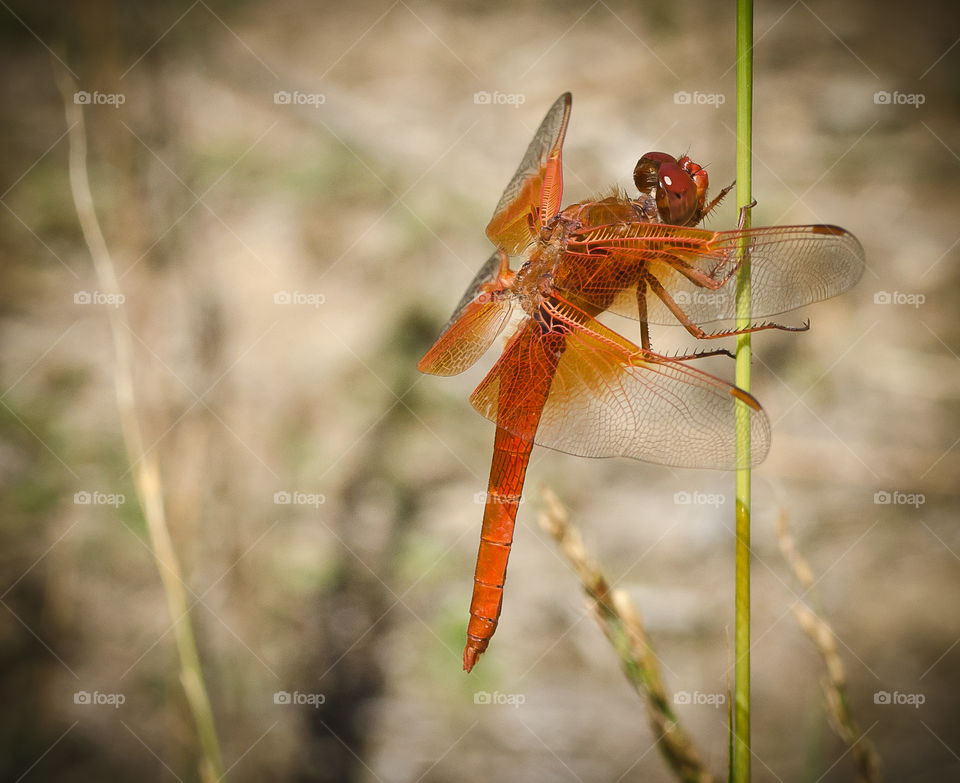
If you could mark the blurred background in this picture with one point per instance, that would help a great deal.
(294, 195)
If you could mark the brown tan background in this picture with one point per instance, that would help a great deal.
(367, 207)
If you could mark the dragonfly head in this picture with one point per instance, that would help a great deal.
(679, 186)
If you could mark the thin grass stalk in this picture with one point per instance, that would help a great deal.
(835, 686)
(740, 737)
(621, 623)
(146, 470)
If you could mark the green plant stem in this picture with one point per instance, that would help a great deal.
(740, 741)
(146, 469)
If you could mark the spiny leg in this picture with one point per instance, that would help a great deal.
(716, 201)
(701, 278)
(703, 354)
(697, 276)
(642, 286)
(699, 333)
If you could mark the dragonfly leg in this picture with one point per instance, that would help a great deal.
(703, 354)
(642, 313)
(701, 334)
(716, 201)
(704, 279)
(699, 277)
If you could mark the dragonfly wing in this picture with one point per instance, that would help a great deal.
(533, 196)
(479, 317)
(791, 266)
(610, 398)
(512, 394)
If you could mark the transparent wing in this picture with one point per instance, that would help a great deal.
(533, 196)
(609, 398)
(480, 316)
(791, 266)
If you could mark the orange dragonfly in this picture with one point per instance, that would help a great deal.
(566, 381)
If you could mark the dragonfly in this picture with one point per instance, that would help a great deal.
(568, 382)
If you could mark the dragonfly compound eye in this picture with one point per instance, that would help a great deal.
(676, 194)
(646, 174)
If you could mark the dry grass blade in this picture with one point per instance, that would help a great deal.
(622, 625)
(835, 684)
(146, 470)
